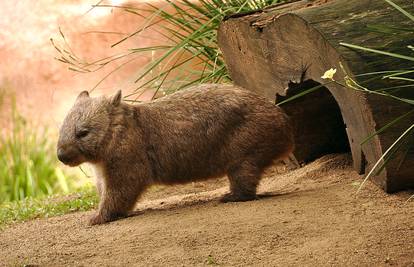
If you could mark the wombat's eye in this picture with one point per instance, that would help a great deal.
(82, 133)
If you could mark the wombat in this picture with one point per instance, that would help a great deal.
(199, 133)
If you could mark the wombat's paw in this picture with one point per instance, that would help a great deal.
(237, 198)
(97, 219)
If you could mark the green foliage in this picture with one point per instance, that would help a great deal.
(396, 92)
(31, 208)
(210, 260)
(28, 165)
(190, 54)
(404, 76)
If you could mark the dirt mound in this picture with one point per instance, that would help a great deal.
(310, 216)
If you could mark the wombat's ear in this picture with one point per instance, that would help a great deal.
(82, 95)
(116, 99)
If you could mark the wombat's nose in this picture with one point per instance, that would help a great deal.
(62, 156)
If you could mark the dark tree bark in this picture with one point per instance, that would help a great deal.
(284, 49)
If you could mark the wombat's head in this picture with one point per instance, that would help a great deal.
(85, 128)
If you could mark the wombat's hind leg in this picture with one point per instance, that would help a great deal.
(115, 203)
(243, 182)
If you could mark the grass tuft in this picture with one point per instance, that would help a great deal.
(50, 206)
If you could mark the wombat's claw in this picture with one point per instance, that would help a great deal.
(99, 219)
(237, 198)
(291, 162)
(96, 219)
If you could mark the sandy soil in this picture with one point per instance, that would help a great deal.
(307, 217)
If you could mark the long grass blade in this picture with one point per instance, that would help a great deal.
(385, 127)
(388, 151)
(404, 12)
(377, 51)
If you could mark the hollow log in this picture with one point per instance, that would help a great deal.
(285, 49)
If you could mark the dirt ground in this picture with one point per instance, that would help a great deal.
(307, 217)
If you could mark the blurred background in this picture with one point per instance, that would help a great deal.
(44, 88)
(36, 89)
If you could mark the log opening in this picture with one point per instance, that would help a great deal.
(317, 119)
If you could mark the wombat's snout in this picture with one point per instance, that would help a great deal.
(63, 156)
(67, 156)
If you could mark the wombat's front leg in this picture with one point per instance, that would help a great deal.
(243, 182)
(115, 203)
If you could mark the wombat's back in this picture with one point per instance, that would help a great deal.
(207, 130)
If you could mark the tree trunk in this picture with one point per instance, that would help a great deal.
(286, 48)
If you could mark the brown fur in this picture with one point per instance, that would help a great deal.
(195, 134)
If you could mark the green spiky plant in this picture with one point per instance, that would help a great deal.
(189, 54)
(402, 143)
(28, 165)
